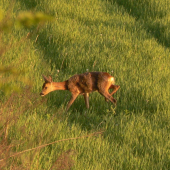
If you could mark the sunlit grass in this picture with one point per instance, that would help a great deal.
(113, 36)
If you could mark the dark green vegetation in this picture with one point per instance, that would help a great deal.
(126, 38)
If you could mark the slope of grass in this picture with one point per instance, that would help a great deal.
(119, 37)
(153, 15)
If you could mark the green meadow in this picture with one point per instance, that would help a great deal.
(126, 38)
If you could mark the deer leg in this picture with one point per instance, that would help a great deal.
(86, 98)
(115, 89)
(108, 97)
(73, 98)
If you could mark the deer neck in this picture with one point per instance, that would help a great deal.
(59, 85)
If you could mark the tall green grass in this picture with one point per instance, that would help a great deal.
(128, 39)
(153, 15)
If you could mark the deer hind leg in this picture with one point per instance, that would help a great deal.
(86, 98)
(108, 96)
(73, 98)
(115, 89)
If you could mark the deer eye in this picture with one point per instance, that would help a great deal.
(45, 87)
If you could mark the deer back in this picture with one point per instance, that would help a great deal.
(89, 82)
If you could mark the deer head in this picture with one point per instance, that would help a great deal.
(47, 86)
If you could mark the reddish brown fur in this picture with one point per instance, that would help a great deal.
(83, 84)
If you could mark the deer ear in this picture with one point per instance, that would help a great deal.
(47, 80)
(50, 78)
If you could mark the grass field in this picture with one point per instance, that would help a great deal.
(128, 39)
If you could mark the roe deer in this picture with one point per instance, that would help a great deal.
(83, 84)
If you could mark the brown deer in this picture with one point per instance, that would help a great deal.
(83, 84)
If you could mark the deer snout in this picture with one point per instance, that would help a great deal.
(41, 94)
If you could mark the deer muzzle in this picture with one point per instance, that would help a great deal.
(41, 94)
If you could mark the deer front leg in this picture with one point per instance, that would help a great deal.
(86, 98)
(73, 98)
